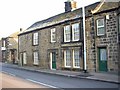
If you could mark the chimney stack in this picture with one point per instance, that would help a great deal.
(73, 4)
(20, 29)
(68, 7)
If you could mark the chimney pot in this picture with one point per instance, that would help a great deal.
(20, 29)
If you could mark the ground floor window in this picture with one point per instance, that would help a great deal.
(67, 58)
(35, 55)
(72, 58)
(76, 58)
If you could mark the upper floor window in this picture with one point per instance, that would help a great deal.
(67, 33)
(53, 35)
(75, 32)
(35, 38)
(4, 43)
(35, 55)
(100, 27)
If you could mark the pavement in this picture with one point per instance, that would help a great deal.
(98, 76)
(7, 82)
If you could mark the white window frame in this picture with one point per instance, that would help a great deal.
(65, 59)
(35, 38)
(51, 61)
(74, 61)
(75, 31)
(53, 36)
(24, 58)
(35, 56)
(67, 27)
(102, 26)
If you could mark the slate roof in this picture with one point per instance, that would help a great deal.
(60, 18)
(56, 19)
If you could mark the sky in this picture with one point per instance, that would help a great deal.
(16, 14)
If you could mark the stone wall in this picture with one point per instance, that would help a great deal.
(109, 40)
(44, 48)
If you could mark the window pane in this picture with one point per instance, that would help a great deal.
(35, 57)
(101, 22)
(76, 58)
(67, 37)
(100, 27)
(68, 61)
(4, 43)
(101, 31)
(103, 55)
(35, 38)
(53, 35)
(75, 32)
(67, 33)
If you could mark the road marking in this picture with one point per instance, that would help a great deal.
(9, 73)
(4, 72)
(41, 83)
(12, 74)
(33, 81)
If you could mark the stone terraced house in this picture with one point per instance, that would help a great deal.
(57, 42)
(102, 30)
(9, 48)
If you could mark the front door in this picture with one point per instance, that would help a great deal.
(13, 56)
(53, 60)
(102, 56)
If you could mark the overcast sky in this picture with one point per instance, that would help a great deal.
(16, 14)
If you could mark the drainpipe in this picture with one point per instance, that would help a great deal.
(85, 68)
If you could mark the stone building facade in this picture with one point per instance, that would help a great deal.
(9, 48)
(57, 42)
(102, 38)
(51, 44)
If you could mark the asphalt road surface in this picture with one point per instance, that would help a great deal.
(56, 81)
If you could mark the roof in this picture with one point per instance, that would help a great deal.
(56, 19)
(60, 18)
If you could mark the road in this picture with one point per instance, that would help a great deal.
(56, 81)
